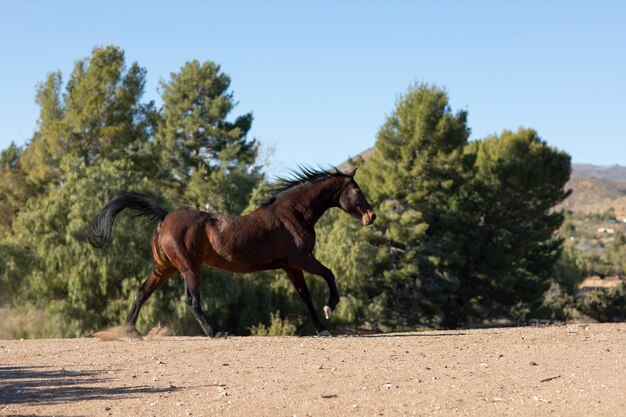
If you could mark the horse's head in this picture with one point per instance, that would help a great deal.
(353, 201)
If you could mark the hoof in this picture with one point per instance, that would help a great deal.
(133, 333)
(328, 312)
(324, 333)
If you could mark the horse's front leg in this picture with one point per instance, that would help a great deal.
(297, 279)
(313, 266)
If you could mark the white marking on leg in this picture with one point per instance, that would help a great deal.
(328, 312)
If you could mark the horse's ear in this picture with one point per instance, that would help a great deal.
(351, 173)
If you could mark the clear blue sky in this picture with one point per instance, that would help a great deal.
(321, 76)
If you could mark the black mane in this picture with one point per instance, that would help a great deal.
(302, 175)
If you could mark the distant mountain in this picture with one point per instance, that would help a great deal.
(611, 173)
(365, 155)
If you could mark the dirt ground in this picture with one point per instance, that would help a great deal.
(574, 370)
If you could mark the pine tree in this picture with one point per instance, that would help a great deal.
(207, 156)
(506, 225)
(92, 141)
(413, 178)
(99, 116)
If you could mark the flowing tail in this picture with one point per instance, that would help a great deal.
(99, 232)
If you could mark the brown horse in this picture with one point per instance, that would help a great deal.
(279, 234)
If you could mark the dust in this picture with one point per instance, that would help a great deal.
(158, 332)
(118, 333)
(112, 333)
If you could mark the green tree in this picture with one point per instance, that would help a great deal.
(508, 226)
(92, 141)
(413, 178)
(99, 115)
(206, 156)
(465, 231)
(569, 269)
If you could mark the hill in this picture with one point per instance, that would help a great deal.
(597, 189)
(611, 173)
(596, 195)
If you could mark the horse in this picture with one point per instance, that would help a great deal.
(279, 234)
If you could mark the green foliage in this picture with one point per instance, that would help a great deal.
(508, 224)
(98, 116)
(557, 304)
(605, 306)
(344, 244)
(413, 179)
(16, 261)
(465, 230)
(615, 254)
(94, 138)
(569, 269)
(10, 157)
(205, 156)
(592, 253)
(73, 279)
(95, 133)
(14, 188)
(278, 327)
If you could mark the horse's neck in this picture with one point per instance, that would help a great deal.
(315, 200)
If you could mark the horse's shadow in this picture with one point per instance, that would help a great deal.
(43, 385)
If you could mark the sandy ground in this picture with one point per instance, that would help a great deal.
(574, 370)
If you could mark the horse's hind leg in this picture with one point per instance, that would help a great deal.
(193, 280)
(157, 278)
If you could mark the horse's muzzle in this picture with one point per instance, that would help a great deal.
(368, 218)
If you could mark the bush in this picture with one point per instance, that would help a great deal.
(277, 327)
(605, 306)
(28, 323)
